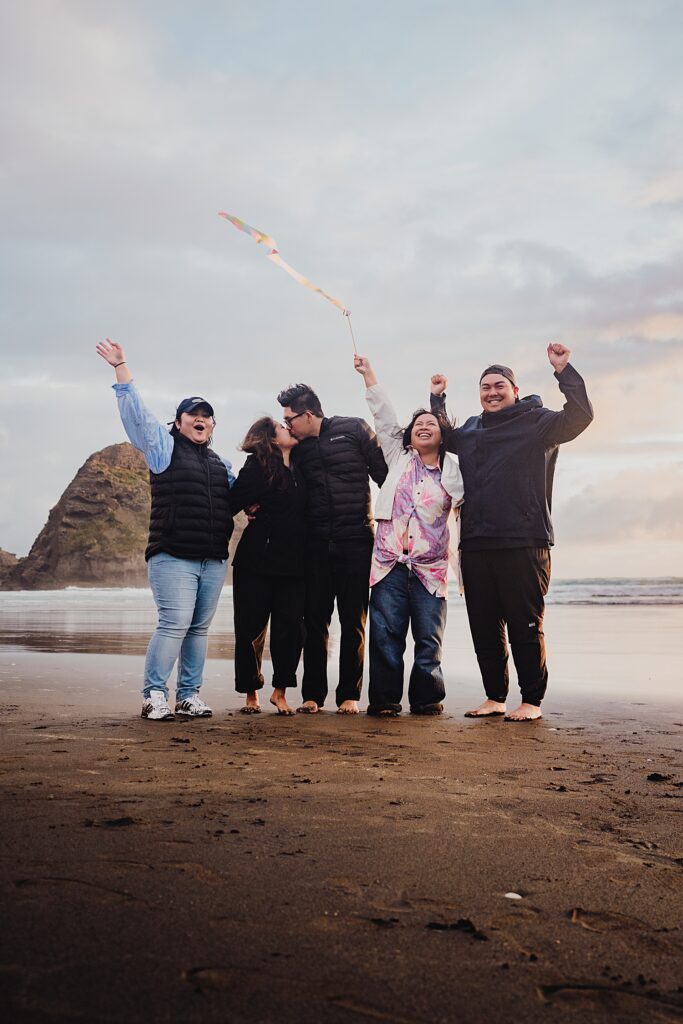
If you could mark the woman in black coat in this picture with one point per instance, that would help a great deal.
(268, 567)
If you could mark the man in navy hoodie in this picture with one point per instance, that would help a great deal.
(507, 457)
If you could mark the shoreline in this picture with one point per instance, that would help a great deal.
(608, 673)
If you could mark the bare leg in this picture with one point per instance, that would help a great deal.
(251, 706)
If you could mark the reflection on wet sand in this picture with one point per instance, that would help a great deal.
(95, 622)
(83, 642)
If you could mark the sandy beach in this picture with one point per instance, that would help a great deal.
(340, 869)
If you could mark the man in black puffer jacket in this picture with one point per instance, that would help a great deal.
(507, 458)
(335, 457)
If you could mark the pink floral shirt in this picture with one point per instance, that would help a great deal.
(417, 533)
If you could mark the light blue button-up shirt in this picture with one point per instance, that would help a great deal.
(147, 434)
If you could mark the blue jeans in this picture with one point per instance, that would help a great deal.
(397, 601)
(186, 593)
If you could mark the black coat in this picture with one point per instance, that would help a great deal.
(336, 466)
(274, 542)
(507, 460)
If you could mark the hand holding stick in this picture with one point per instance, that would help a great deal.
(363, 366)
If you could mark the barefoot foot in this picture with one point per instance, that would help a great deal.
(278, 698)
(348, 707)
(251, 706)
(524, 713)
(309, 707)
(489, 709)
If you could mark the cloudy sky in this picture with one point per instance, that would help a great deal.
(471, 179)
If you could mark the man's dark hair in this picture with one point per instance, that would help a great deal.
(300, 398)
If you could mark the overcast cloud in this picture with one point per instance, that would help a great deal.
(472, 180)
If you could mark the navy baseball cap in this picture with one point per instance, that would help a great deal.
(190, 404)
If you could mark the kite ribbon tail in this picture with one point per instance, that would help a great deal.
(259, 236)
(277, 258)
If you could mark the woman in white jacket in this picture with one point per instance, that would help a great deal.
(410, 556)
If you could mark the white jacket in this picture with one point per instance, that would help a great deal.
(390, 436)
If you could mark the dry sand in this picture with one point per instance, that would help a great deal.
(334, 869)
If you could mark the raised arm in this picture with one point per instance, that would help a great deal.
(144, 430)
(438, 384)
(389, 431)
(557, 427)
(363, 366)
(437, 393)
(437, 405)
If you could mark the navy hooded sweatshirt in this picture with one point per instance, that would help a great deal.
(507, 460)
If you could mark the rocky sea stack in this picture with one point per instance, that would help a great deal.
(96, 534)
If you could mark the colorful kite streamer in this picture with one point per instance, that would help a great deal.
(258, 236)
(275, 256)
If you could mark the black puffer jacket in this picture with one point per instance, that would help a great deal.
(190, 516)
(507, 460)
(335, 467)
(274, 542)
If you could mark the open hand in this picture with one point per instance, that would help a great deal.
(111, 351)
(439, 383)
(558, 356)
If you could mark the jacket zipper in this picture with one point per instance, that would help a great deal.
(205, 455)
(327, 488)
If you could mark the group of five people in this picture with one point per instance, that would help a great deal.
(310, 541)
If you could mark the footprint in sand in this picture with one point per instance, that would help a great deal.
(602, 921)
(215, 978)
(616, 1002)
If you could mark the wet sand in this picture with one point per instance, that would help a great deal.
(334, 869)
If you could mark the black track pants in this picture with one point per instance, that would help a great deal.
(342, 572)
(507, 588)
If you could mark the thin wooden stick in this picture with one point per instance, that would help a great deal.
(353, 339)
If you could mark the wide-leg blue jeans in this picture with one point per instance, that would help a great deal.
(398, 601)
(186, 592)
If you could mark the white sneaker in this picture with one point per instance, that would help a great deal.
(156, 707)
(193, 707)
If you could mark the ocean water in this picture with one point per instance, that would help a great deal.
(120, 621)
(666, 590)
(611, 642)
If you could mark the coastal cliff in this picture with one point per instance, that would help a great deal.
(96, 533)
(8, 564)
